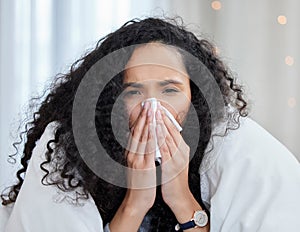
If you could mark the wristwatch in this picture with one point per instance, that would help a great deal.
(200, 219)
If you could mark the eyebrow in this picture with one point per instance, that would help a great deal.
(161, 83)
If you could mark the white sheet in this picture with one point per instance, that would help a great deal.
(250, 182)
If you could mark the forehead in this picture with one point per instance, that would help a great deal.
(155, 61)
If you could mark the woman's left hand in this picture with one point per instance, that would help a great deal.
(175, 162)
(175, 155)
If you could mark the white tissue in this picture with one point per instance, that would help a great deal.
(153, 102)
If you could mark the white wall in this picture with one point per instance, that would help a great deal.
(255, 45)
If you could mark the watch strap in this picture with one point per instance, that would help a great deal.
(185, 226)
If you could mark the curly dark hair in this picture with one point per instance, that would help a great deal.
(57, 106)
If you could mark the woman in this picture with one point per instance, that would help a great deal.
(241, 178)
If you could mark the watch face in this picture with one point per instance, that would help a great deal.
(200, 218)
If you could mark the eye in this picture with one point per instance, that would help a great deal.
(169, 90)
(132, 92)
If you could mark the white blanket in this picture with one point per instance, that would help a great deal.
(250, 182)
(35, 209)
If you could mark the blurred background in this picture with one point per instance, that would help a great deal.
(258, 40)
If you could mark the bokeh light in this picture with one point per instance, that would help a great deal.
(289, 60)
(281, 19)
(292, 102)
(216, 5)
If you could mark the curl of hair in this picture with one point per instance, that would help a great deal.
(69, 172)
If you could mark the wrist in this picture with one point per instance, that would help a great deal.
(133, 210)
(134, 207)
(127, 218)
(184, 209)
(186, 200)
(137, 200)
(176, 199)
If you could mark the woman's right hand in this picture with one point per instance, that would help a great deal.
(141, 175)
(140, 155)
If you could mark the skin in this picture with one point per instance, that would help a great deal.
(150, 68)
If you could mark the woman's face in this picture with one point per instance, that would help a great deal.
(156, 70)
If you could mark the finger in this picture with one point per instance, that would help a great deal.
(136, 157)
(173, 131)
(173, 139)
(150, 148)
(173, 148)
(141, 150)
(160, 135)
(145, 107)
(127, 149)
(170, 126)
(139, 153)
(180, 158)
(134, 137)
(129, 155)
(169, 141)
(138, 128)
(143, 141)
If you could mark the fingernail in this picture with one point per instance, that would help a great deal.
(149, 112)
(146, 105)
(158, 115)
(159, 105)
(160, 108)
